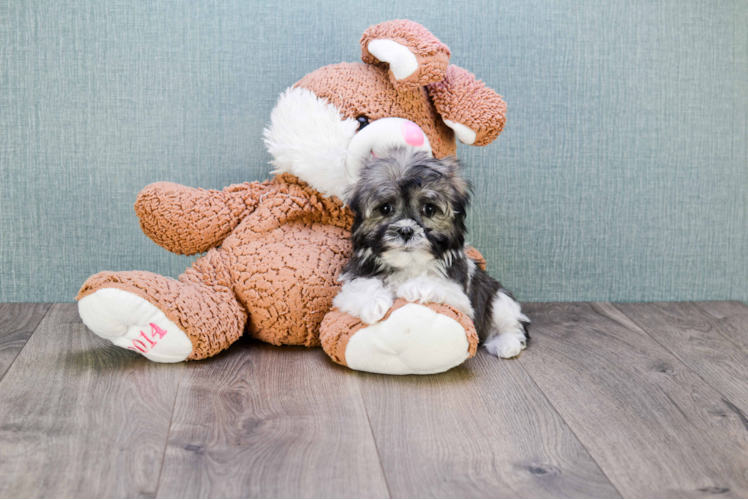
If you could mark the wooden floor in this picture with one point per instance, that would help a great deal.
(624, 400)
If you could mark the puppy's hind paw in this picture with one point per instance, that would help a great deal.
(506, 345)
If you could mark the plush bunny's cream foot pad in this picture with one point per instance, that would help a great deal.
(411, 339)
(131, 322)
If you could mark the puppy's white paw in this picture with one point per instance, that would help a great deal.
(417, 290)
(425, 290)
(506, 345)
(376, 309)
(365, 298)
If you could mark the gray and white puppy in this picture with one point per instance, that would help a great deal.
(409, 241)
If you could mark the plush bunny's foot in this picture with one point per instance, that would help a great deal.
(131, 322)
(414, 339)
(411, 339)
(199, 306)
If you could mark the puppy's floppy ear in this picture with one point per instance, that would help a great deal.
(451, 168)
(413, 55)
(475, 112)
(448, 166)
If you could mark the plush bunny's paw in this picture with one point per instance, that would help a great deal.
(411, 339)
(129, 321)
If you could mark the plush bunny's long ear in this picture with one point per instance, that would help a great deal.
(414, 56)
(475, 112)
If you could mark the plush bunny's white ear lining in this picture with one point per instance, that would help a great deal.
(402, 61)
(463, 133)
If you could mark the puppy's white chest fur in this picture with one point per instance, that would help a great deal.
(409, 265)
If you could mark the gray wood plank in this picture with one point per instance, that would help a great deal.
(265, 421)
(80, 417)
(480, 430)
(17, 323)
(710, 337)
(655, 427)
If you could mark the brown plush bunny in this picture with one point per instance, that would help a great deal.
(275, 248)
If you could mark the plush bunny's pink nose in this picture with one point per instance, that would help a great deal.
(412, 134)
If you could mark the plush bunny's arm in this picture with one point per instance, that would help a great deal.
(290, 200)
(474, 254)
(188, 221)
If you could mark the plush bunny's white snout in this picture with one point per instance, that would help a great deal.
(380, 135)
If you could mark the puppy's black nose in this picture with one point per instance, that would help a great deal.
(405, 233)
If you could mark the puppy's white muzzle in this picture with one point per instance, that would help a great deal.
(381, 135)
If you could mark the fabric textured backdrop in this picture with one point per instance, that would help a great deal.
(622, 173)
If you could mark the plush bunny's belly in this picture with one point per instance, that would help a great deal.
(287, 278)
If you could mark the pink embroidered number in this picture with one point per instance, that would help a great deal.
(139, 345)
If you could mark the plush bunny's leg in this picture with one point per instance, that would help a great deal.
(410, 339)
(130, 321)
(164, 319)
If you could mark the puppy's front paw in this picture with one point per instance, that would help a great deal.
(506, 345)
(365, 298)
(376, 309)
(425, 290)
(417, 290)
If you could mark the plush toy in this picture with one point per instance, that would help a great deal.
(275, 248)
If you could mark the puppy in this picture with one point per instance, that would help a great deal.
(409, 241)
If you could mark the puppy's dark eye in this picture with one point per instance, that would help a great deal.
(362, 122)
(429, 210)
(385, 209)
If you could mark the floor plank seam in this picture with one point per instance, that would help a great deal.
(36, 327)
(168, 435)
(374, 439)
(727, 400)
(571, 429)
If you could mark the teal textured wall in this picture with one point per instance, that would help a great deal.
(622, 173)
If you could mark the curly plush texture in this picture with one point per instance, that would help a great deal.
(463, 99)
(206, 218)
(365, 90)
(432, 55)
(339, 327)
